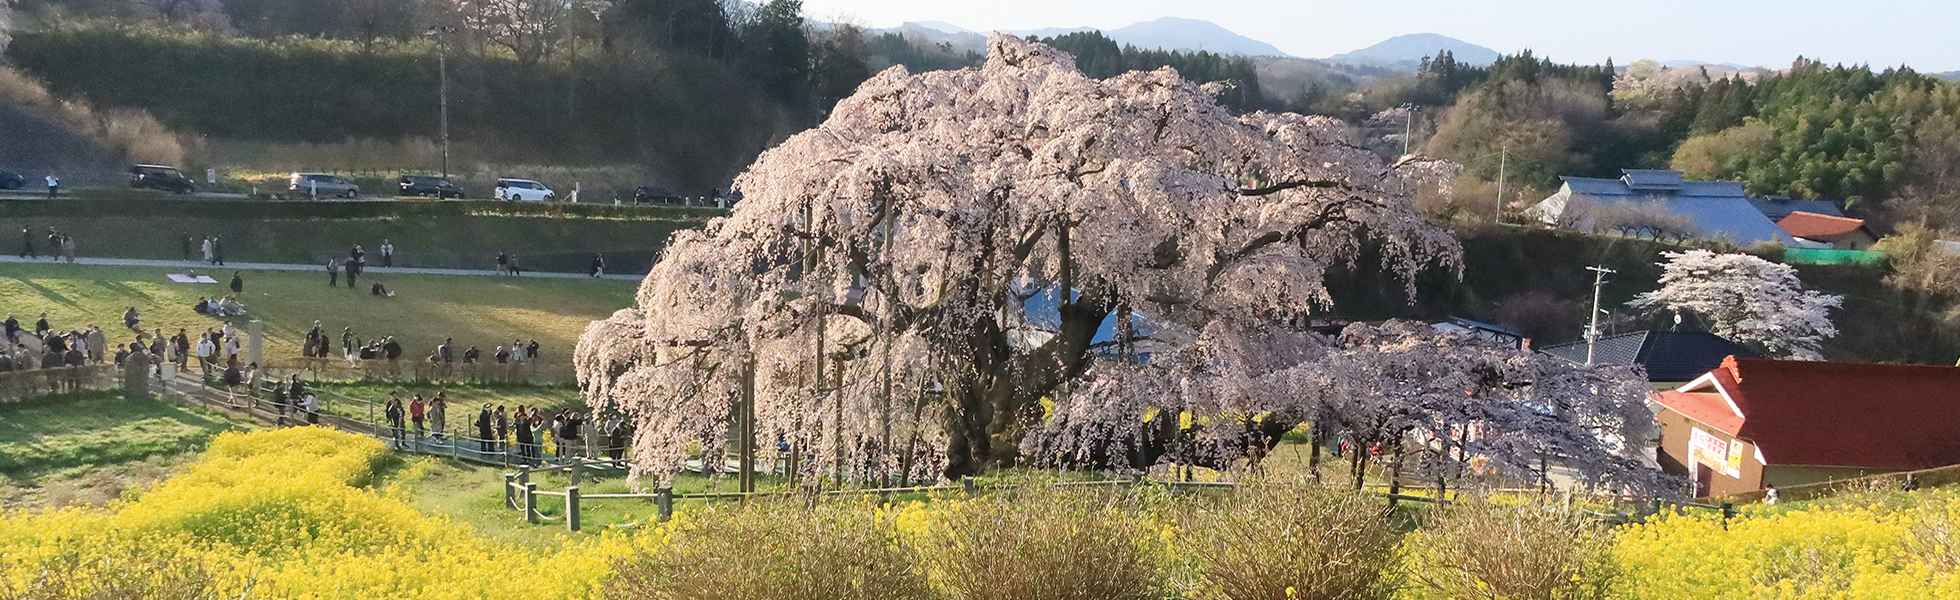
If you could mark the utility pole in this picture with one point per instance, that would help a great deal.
(1592, 323)
(1408, 126)
(1503, 161)
(442, 74)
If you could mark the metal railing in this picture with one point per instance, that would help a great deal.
(404, 370)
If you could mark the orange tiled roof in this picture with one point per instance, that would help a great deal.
(1821, 228)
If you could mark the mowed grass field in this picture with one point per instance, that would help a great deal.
(86, 448)
(481, 311)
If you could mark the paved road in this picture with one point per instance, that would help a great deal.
(252, 266)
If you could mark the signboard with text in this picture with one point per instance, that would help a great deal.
(1719, 454)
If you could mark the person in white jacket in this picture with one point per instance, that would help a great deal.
(206, 350)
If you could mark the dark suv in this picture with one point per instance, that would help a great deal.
(11, 181)
(429, 185)
(655, 194)
(160, 177)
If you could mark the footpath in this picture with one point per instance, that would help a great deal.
(210, 269)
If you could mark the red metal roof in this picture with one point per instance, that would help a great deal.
(1821, 228)
(1707, 407)
(1839, 414)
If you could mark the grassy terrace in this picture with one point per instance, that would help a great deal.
(86, 449)
(547, 237)
(484, 311)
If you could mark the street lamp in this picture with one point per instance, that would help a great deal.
(440, 33)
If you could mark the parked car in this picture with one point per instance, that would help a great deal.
(655, 194)
(321, 184)
(525, 190)
(160, 177)
(429, 185)
(10, 180)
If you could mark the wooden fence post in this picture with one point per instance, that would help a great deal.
(571, 508)
(967, 485)
(663, 501)
(531, 502)
(510, 496)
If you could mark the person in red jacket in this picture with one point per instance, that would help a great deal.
(416, 411)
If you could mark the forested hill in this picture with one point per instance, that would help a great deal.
(693, 89)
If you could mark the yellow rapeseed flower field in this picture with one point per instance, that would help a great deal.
(294, 513)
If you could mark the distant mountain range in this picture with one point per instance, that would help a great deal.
(1399, 53)
(1409, 50)
(1168, 33)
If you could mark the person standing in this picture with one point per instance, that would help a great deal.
(447, 350)
(598, 265)
(483, 429)
(387, 253)
(501, 420)
(206, 349)
(503, 262)
(181, 348)
(418, 411)
(439, 415)
(521, 424)
(186, 237)
(347, 342)
(98, 342)
(27, 243)
(218, 250)
(394, 412)
(333, 272)
(54, 186)
(206, 247)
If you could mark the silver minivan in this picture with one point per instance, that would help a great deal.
(321, 184)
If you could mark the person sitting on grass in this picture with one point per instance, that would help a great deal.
(381, 290)
(133, 320)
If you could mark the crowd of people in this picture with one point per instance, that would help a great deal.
(61, 246)
(518, 351)
(568, 433)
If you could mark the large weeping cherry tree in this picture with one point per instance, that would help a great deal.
(869, 292)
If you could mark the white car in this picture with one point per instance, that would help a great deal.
(525, 190)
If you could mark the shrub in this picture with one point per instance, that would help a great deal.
(1042, 543)
(1537, 550)
(773, 550)
(1280, 542)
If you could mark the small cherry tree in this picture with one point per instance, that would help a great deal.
(1746, 299)
(1435, 405)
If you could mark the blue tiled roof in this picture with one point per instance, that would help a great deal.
(1667, 356)
(1718, 208)
(1778, 208)
(1645, 179)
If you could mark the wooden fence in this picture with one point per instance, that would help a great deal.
(17, 386)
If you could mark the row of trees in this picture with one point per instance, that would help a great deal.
(1884, 139)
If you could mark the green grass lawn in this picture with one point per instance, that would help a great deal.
(86, 448)
(484, 311)
(473, 495)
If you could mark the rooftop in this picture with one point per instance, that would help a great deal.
(1666, 355)
(1832, 414)
(1819, 228)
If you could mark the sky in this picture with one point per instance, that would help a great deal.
(1768, 33)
